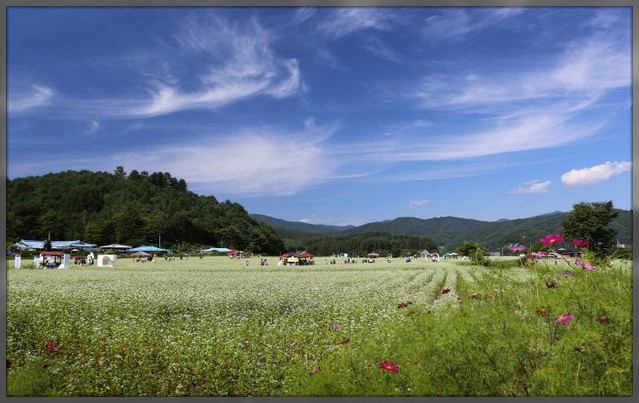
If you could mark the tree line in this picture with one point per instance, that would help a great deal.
(134, 209)
(361, 244)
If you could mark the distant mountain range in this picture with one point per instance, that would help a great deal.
(450, 231)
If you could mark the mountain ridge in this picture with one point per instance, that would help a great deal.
(451, 231)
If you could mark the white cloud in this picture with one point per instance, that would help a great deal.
(242, 64)
(456, 23)
(251, 162)
(375, 46)
(33, 97)
(535, 186)
(595, 174)
(418, 202)
(95, 126)
(347, 20)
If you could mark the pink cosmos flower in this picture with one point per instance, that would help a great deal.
(335, 327)
(578, 242)
(53, 347)
(564, 318)
(552, 239)
(585, 265)
(538, 255)
(389, 366)
(515, 248)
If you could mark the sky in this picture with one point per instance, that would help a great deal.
(330, 115)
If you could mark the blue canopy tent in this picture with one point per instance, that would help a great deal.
(220, 250)
(147, 248)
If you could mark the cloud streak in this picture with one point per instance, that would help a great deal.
(348, 20)
(456, 23)
(33, 97)
(595, 174)
(534, 187)
(418, 202)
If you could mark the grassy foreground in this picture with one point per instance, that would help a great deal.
(215, 327)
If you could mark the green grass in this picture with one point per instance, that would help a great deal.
(213, 327)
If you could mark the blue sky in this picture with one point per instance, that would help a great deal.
(333, 115)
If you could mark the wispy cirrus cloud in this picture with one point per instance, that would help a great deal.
(347, 20)
(242, 64)
(375, 46)
(30, 97)
(534, 187)
(595, 174)
(584, 70)
(457, 23)
(95, 126)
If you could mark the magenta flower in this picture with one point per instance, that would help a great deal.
(552, 239)
(539, 255)
(335, 327)
(389, 366)
(515, 248)
(578, 242)
(564, 318)
(53, 347)
(585, 264)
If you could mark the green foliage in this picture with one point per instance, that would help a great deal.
(475, 251)
(450, 231)
(104, 208)
(590, 222)
(361, 244)
(33, 380)
(213, 327)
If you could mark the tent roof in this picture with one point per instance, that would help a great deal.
(137, 254)
(51, 253)
(221, 250)
(115, 246)
(148, 248)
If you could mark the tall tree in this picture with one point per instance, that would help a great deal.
(589, 222)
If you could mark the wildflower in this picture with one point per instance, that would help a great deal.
(53, 347)
(515, 248)
(578, 242)
(445, 290)
(564, 318)
(568, 273)
(602, 319)
(389, 366)
(552, 239)
(315, 370)
(539, 255)
(344, 342)
(335, 327)
(403, 304)
(585, 264)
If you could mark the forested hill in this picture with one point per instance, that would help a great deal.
(133, 209)
(453, 231)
